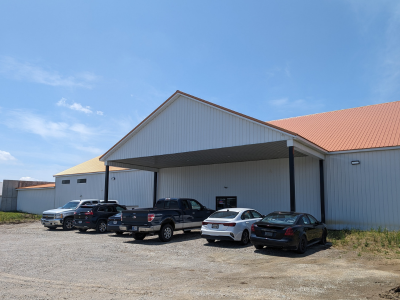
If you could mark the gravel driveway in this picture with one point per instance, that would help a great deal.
(36, 263)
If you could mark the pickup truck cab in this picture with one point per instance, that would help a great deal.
(64, 216)
(169, 214)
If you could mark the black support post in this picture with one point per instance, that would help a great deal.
(155, 189)
(322, 189)
(106, 184)
(291, 177)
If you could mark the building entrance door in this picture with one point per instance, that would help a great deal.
(226, 202)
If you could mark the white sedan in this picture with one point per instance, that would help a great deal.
(231, 224)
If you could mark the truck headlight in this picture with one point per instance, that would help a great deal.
(59, 216)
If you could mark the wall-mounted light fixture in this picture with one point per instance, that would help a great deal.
(355, 162)
(112, 178)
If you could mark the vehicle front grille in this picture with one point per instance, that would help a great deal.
(48, 216)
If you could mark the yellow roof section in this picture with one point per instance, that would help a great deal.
(91, 166)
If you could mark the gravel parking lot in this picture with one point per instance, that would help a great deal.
(36, 263)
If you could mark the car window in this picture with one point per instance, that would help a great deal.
(246, 215)
(173, 204)
(160, 204)
(256, 214)
(101, 209)
(304, 221)
(95, 202)
(195, 205)
(120, 208)
(281, 218)
(185, 204)
(166, 203)
(312, 219)
(224, 214)
(110, 209)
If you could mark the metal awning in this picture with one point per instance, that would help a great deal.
(253, 152)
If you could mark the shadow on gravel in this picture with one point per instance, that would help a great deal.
(227, 244)
(293, 254)
(178, 237)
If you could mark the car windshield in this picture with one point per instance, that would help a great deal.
(281, 219)
(71, 205)
(224, 214)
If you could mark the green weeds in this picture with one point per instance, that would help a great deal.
(17, 217)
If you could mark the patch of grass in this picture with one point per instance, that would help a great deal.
(375, 241)
(17, 217)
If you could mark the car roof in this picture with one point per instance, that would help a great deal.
(238, 209)
(289, 212)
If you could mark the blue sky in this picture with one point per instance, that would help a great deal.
(76, 76)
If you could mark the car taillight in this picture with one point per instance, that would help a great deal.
(289, 231)
(204, 223)
(75, 213)
(253, 228)
(150, 217)
(121, 216)
(229, 224)
(90, 213)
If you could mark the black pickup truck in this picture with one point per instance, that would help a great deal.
(169, 214)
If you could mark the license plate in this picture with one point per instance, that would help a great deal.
(134, 228)
(115, 222)
(268, 234)
(215, 226)
(79, 221)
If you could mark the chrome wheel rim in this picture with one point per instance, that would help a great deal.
(102, 227)
(167, 233)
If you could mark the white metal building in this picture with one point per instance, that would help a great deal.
(342, 167)
(36, 199)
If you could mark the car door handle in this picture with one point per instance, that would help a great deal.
(247, 222)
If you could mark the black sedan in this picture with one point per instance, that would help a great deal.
(113, 224)
(288, 230)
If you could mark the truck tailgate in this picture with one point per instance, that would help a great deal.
(135, 217)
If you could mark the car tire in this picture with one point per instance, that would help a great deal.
(166, 233)
(258, 247)
(187, 231)
(68, 224)
(302, 245)
(52, 227)
(323, 238)
(210, 241)
(119, 232)
(82, 230)
(245, 238)
(101, 226)
(139, 236)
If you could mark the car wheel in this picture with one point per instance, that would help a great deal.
(52, 227)
(210, 241)
(68, 224)
(323, 239)
(139, 236)
(101, 226)
(166, 233)
(258, 247)
(245, 238)
(82, 230)
(302, 245)
(187, 231)
(119, 232)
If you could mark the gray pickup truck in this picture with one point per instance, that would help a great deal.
(169, 214)
(64, 216)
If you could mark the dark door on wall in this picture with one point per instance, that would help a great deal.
(226, 202)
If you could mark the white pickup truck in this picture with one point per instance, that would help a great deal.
(64, 216)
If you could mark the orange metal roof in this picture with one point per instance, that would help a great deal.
(373, 126)
(91, 166)
(40, 186)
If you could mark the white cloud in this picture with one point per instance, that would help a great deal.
(295, 106)
(77, 106)
(27, 178)
(26, 71)
(32, 123)
(93, 150)
(6, 156)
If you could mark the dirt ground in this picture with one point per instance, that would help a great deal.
(36, 263)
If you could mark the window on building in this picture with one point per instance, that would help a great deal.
(65, 181)
(81, 180)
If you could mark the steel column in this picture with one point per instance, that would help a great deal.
(322, 189)
(291, 178)
(155, 189)
(107, 174)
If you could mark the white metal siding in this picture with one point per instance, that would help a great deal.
(35, 201)
(188, 125)
(262, 185)
(363, 196)
(129, 188)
